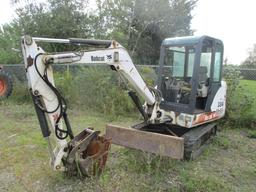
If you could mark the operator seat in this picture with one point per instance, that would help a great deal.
(202, 90)
(169, 89)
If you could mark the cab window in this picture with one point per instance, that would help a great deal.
(206, 56)
(217, 63)
(180, 61)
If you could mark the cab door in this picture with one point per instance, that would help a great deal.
(208, 73)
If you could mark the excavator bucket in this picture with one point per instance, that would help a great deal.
(88, 152)
(6, 84)
(165, 145)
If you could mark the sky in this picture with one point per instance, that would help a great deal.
(232, 21)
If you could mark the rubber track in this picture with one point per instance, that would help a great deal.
(196, 139)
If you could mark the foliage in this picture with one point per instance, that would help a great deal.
(99, 89)
(149, 75)
(20, 92)
(67, 86)
(239, 100)
(137, 24)
(250, 61)
(55, 18)
(252, 134)
(94, 88)
(142, 25)
(9, 39)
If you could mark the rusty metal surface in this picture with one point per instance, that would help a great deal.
(30, 61)
(164, 145)
(95, 156)
(88, 153)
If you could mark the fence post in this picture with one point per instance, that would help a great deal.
(68, 70)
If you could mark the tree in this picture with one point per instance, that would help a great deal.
(250, 61)
(141, 25)
(54, 18)
(9, 40)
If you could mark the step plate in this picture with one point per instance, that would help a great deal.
(160, 144)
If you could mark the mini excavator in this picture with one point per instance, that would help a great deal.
(179, 113)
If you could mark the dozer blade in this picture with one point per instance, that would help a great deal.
(87, 153)
(164, 145)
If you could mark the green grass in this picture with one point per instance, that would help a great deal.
(227, 164)
(241, 104)
(249, 85)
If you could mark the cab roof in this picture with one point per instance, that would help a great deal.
(188, 40)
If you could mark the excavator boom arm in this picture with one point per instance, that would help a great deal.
(114, 55)
(51, 106)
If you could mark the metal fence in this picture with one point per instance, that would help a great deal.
(248, 74)
(18, 70)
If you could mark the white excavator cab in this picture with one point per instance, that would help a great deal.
(193, 98)
(190, 74)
